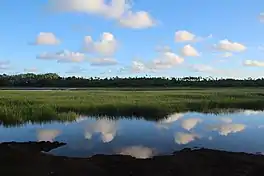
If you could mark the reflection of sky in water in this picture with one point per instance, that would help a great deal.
(143, 139)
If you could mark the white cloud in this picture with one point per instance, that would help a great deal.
(138, 67)
(107, 128)
(227, 54)
(47, 135)
(103, 62)
(46, 38)
(107, 45)
(184, 138)
(254, 63)
(189, 124)
(137, 20)
(261, 17)
(166, 61)
(229, 46)
(184, 36)
(63, 56)
(226, 119)
(138, 152)
(31, 70)
(228, 128)
(114, 9)
(202, 68)
(190, 51)
(119, 10)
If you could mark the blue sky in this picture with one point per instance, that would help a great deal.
(215, 38)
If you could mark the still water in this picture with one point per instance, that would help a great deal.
(241, 132)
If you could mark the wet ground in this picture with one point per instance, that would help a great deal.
(27, 159)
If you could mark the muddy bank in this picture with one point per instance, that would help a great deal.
(27, 159)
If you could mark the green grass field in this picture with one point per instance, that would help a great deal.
(19, 106)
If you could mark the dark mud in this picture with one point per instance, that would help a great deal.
(26, 159)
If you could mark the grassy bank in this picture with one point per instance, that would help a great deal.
(18, 106)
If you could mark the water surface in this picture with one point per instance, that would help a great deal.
(87, 136)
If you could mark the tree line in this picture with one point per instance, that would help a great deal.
(54, 80)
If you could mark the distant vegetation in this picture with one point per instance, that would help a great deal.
(54, 80)
(17, 107)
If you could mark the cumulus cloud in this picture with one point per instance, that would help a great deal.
(229, 46)
(184, 36)
(115, 9)
(47, 135)
(254, 63)
(31, 70)
(261, 17)
(225, 129)
(137, 20)
(166, 60)
(138, 66)
(226, 119)
(106, 46)
(189, 124)
(46, 38)
(63, 56)
(107, 128)
(119, 10)
(103, 61)
(184, 138)
(190, 51)
(140, 152)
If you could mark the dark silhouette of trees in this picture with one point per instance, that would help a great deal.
(54, 80)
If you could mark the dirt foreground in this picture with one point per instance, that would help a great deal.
(26, 159)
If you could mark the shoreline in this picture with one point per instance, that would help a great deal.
(27, 159)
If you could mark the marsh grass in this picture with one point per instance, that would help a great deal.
(37, 106)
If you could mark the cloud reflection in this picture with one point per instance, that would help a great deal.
(226, 119)
(167, 121)
(261, 126)
(189, 124)
(251, 112)
(107, 129)
(225, 129)
(184, 138)
(138, 152)
(47, 135)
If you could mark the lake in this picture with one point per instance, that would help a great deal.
(240, 132)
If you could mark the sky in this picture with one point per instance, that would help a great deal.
(106, 38)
